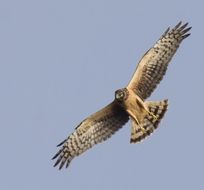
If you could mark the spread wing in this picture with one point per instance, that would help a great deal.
(93, 130)
(153, 65)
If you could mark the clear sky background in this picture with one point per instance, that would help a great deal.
(62, 60)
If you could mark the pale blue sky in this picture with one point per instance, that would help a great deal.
(62, 60)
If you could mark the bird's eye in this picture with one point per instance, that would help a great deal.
(119, 95)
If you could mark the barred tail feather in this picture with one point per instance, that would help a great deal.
(150, 123)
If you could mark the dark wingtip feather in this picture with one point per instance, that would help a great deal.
(61, 160)
(167, 30)
(166, 101)
(57, 162)
(182, 30)
(61, 165)
(186, 30)
(56, 155)
(60, 144)
(178, 25)
(185, 36)
(179, 28)
(183, 26)
(67, 164)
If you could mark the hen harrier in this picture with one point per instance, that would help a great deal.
(129, 102)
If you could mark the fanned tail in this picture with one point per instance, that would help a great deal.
(139, 132)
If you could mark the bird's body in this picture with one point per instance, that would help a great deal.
(133, 104)
(129, 103)
(145, 115)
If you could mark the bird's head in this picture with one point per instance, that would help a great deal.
(121, 94)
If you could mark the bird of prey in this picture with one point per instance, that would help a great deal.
(129, 103)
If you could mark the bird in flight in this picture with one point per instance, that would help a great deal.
(129, 103)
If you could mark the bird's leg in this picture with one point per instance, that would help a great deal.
(150, 113)
(141, 104)
(142, 128)
(138, 123)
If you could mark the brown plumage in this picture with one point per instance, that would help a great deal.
(129, 102)
(94, 129)
(152, 67)
(150, 123)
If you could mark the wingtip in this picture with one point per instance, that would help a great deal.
(60, 144)
(182, 29)
(167, 30)
(61, 165)
(56, 163)
(186, 30)
(185, 36)
(166, 100)
(178, 25)
(55, 156)
(184, 25)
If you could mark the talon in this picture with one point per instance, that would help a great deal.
(143, 129)
(154, 116)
